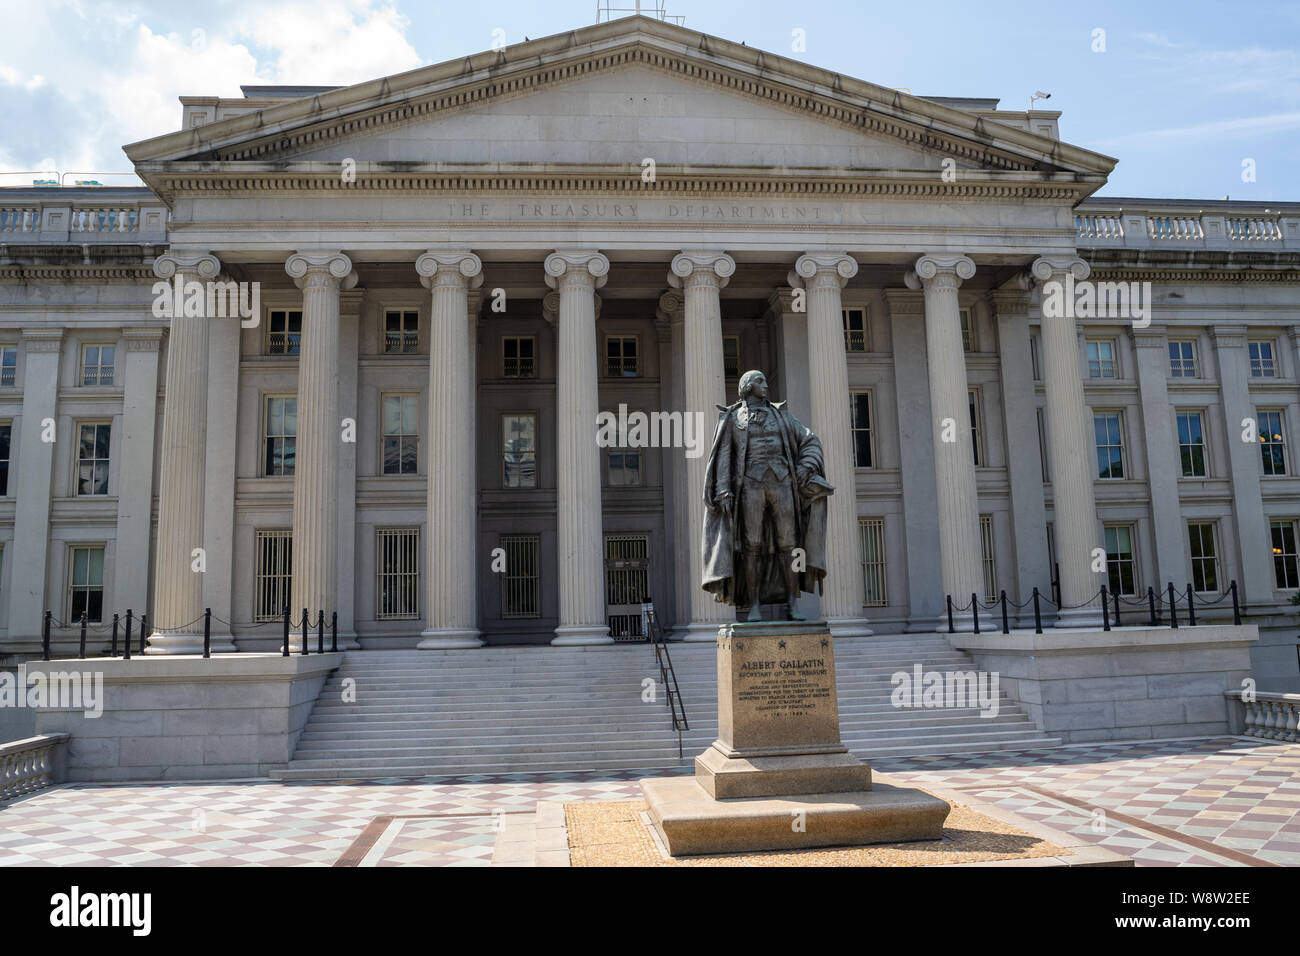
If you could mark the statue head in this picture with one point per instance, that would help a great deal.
(753, 381)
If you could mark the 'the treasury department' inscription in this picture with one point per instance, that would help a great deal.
(609, 211)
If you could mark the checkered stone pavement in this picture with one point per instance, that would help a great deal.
(1207, 801)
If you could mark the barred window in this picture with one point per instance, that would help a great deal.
(97, 365)
(283, 331)
(519, 582)
(273, 564)
(873, 561)
(86, 583)
(1272, 442)
(1182, 359)
(401, 331)
(1205, 562)
(517, 356)
(731, 356)
(860, 410)
(397, 574)
(9, 365)
(855, 329)
(1286, 567)
(1191, 444)
(281, 434)
(401, 434)
(92, 457)
(1263, 363)
(621, 355)
(1121, 568)
(989, 559)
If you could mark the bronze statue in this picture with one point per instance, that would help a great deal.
(765, 493)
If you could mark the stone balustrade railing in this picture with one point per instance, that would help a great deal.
(30, 765)
(73, 215)
(1269, 716)
(1213, 226)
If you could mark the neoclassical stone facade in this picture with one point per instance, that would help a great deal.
(458, 268)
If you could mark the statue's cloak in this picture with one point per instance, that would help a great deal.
(724, 537)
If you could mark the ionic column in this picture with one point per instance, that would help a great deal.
(1072, 452)
(320, 276)
(957, 501)
(178, 586)
(823, 275)
(672, 310)
(701, 277)
(579, 526)
(450, 570)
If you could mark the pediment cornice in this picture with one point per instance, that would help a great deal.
(276, 133)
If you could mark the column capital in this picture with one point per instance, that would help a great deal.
(940, 270)
(450, 268)
(1149, 338)
(169, 263)
(42, 340)
(904, 301)
(672, 308)
(710, 267)
(308, 268)
(1045, 268)
(1228, 336)
(146, 339)
(581, 266)
(837, 266)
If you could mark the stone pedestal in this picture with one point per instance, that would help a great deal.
(778, 776)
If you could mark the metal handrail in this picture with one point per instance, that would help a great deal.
(668, 676)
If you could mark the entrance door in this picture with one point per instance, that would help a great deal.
(627, 581)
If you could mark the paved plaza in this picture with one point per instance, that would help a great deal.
(1220, 801)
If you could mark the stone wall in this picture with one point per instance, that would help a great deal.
(186, 718)
(1124, 684)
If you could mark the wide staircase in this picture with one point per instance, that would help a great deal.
(521, 709)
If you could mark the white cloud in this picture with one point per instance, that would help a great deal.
(1215, 129)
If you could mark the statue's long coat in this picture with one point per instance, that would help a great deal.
(724, 538)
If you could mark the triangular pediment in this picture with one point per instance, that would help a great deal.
(611, 95)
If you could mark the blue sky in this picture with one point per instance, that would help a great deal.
(1182, 94)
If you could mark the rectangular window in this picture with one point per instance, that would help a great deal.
(283, 331)
(273, 557)
(92, 457)
(5, 429)
(97, 365)
(967, 331)
(9, 365)
(1272, 441)
(401, 434)
(1101, 358)
(731, 356)
(976, 429)
(1263, 363)
(519, 581)
(281, 434)
(621, 356)
(873, 561)
(519, 451)
(1110, 444)
(1191, 444)
(624, 468)
(855, 329)
(860, 410)
(518, 356)
(1121, 568)
(1286, 567)
(1205, 563)
(988, 556)
(397, 574)
(401, 331)
(1182, 359)
(86, 584)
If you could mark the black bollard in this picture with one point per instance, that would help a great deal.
(81, 647)
(306, 633)
(112, 652)
(1236, 607)
(207, 632)
(45, 635)
(1191, 606)
(1038, 615)
(126, 645)
(1117, 609)
(334, 631)
(975, 611)
(1173, 609)
(285, 650)
(948, 598)
(1151, 600)
(320, 632)
(1105, 609)
(1006, 628)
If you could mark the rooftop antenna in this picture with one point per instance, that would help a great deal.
(606, 11)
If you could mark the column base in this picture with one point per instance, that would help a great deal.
(842, 627)
(574, 635)
(1080, 617)
(701, 632)
(162, 644)
(448, 638)
(347, 641)
(223, 643)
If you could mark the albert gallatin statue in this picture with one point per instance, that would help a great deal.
(765, 492)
